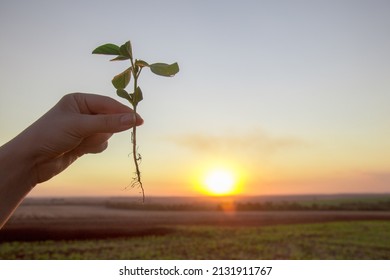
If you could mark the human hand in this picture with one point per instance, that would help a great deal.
(78, 124)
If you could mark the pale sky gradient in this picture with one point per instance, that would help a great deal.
(292, 95)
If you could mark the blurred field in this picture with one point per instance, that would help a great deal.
(198, 229)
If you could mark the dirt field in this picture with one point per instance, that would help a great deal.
(69, 220)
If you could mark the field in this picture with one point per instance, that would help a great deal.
(182, 228)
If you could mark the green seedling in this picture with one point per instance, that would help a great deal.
(122, 80)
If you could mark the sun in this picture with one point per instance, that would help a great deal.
(220, 182)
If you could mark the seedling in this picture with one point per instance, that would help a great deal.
(122, 80)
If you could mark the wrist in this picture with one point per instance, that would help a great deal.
(17, 172)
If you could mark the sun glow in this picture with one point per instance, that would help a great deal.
(220, 182)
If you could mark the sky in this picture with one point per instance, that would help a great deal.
(292, 97)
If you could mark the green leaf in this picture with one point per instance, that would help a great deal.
(120, 57)
(137, 97)
(141, 63)
(124, 94)
(109, 49)
(163, 69)
(125, 50)
(121, 80)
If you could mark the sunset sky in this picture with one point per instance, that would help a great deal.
(291, 96)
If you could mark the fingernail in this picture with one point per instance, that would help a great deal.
(139, 120)
(128, 120)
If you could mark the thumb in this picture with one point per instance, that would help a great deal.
(111, 123)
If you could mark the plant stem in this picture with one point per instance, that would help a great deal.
(136, 156)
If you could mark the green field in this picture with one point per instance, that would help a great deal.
(373, 202)
(336, 240)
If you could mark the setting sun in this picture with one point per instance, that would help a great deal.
(220, 182)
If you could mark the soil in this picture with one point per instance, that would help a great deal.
(70, 221)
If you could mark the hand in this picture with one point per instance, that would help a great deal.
(78, 124)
